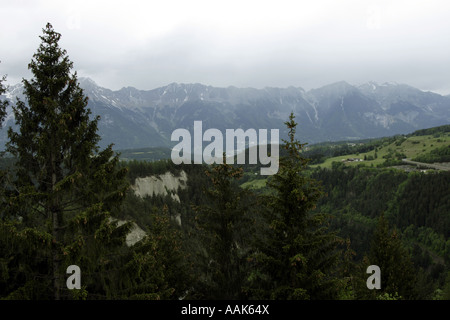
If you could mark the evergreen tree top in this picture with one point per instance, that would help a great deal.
(57, 115)
(64, 187)
(293, 146)
(50, 64)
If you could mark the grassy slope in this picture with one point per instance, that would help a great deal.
(410, 147)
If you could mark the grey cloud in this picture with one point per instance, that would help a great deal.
(360, 42)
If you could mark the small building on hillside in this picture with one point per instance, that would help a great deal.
(352, 160)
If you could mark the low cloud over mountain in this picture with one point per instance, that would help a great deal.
(132, 118)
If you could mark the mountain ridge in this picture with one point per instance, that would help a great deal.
(134, 118)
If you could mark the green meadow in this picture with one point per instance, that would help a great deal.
(402, 147)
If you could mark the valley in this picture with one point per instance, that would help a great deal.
(414, 200)
(114, 194)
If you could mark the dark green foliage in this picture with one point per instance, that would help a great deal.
(436, 155)
(416, 204)
(433, 131)
(297, 258)
(358, 186)
(23, 262)
(224, 230)
(445, 293)
(398, 277)
(154, 268)
(64, 201)
(144, 169)
(423, 200)
(4, 163)
(65, 187)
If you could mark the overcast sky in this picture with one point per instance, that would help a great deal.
(244, 43)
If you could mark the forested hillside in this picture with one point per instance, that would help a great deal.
(68, 206)
(413, 199)
(416, 205)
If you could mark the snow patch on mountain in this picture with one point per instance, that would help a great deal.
(132, 118)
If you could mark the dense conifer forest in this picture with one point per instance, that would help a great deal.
(307, 232)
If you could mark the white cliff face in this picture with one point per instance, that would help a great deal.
(163, 184)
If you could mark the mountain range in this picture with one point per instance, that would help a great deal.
(132, 118)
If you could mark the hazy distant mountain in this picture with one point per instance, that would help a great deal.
(132, 118)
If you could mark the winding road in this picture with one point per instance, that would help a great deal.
(428, 165)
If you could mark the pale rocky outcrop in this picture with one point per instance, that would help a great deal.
(135, 235)
(162, 184)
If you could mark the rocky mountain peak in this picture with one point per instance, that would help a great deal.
(133, 118)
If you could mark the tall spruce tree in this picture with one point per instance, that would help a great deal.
(224, 233)
(398, 277)
(66, 186)
(296, 258)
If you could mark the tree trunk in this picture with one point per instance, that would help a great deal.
(54, 209)
(55, 254)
